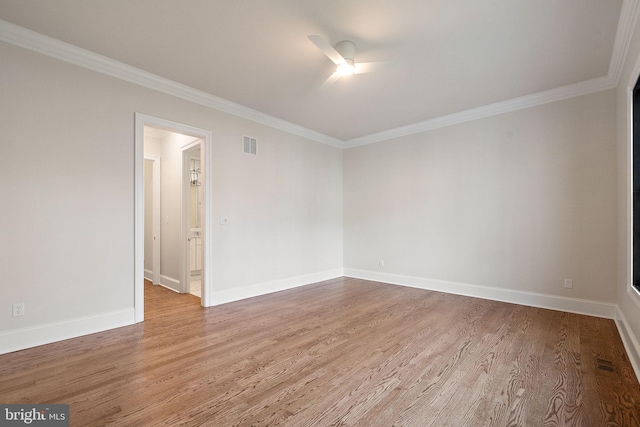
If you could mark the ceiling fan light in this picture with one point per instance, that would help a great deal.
(346, 69)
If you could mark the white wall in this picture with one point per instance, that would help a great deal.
(628, 318)
(171, 208)
(152, 149)
(148, 217)
(504, 207)
(284, 207)
(67, 225)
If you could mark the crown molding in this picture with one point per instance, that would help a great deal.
(626, 25)
(540, 98)
(31, 40)
(49, 46)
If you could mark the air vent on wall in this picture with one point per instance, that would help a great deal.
(249, 145)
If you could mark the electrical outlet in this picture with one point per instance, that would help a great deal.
(381, 263)
(568, 283)
(18, 309)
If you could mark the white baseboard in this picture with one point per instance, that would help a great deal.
(630, 341)
(168, 288)
(533, 299)
(223, 297)
(21, 339)
(148, 274)
(170, 283)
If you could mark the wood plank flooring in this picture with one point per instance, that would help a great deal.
(336, 353)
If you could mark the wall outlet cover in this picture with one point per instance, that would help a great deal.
(18, 309)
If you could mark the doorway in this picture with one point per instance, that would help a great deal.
(176, 278)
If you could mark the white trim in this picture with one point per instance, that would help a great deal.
(49, 46)
(138, 221)
(565, 92)
(629, 189)
(626, 25)
(629, 340)
(19, 339)
(170, 283)
(532, 299)
(168, 288)
(206, 166)
(54, 48)
(148, 275)
(231, 295)
(632, 293)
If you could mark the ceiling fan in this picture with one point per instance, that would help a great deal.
(343, 55)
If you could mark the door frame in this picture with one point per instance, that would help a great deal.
(141, 120)
(633, 82)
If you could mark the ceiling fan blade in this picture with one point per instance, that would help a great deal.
(370, 67)
(331, 80)
(327, 49)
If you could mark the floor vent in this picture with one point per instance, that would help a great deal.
(249, 145)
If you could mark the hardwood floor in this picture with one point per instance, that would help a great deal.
(340, 352)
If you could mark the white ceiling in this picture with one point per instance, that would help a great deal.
(451, 55)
